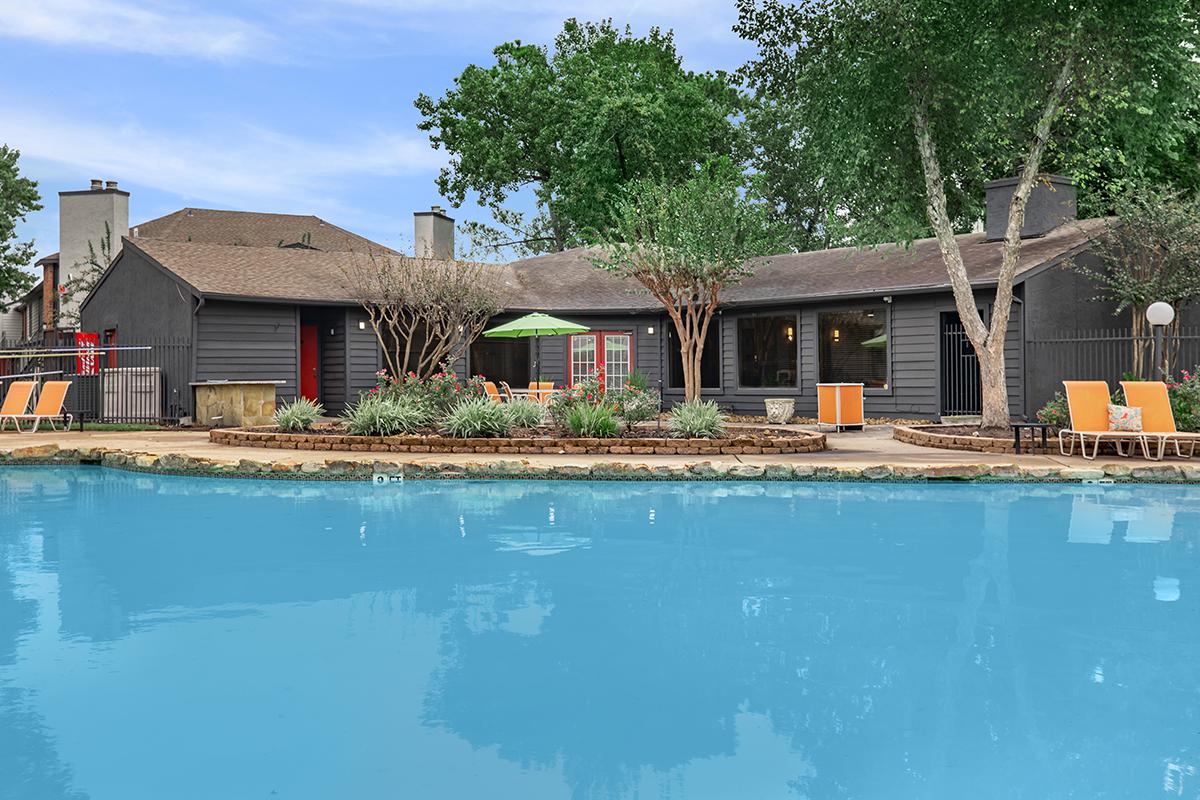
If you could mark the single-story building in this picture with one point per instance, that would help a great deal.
(264, 297)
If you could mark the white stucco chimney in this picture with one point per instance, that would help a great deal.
(433, 234)
(82, 216)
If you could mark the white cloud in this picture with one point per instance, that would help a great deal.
(155, 28)
(239, 166)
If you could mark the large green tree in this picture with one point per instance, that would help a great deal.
(910, 105)
(574, 123)
(686, 242)
(18, 197)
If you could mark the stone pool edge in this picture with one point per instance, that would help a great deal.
(516, 469)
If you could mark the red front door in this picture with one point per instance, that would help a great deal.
(309, 378)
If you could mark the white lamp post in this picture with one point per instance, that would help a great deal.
(1159, 315)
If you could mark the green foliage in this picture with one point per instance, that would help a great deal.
(523, 413)
(575, 122)
(592, 421)
(697, 419)
(85, 275)
(476, 417)
(1056, 413)
(837, 83)
(634, 405)
(585, 392)
(1185, 400)
(378, 415)
(435, 394)
(298, 415)
(18, 197)
(638, 380)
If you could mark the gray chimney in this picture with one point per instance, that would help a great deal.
(82, 216)
(110, 185)
(1051, 203)
(433, 234)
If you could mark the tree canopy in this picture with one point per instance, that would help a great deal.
(575, 123)
(18, 197)
(685, 242)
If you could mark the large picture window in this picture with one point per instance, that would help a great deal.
(501, 360)
(710, 358)
(854, 347)
(767, 351)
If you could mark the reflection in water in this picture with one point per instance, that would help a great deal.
(169, 637)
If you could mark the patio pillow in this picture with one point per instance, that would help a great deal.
(1124, 418)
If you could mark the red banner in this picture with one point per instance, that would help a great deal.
(86, 361)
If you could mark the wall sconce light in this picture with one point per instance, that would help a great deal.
(650, 330)
(791, 333)
(837, 335)
(887, 298)
(332, 332)
(362, 325)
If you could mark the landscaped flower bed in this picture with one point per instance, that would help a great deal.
(959, 437)
(748, 441)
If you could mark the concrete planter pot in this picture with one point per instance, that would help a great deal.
(780, 409)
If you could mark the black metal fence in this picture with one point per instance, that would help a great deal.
(1109, 354)
(143, 383)
(962, 388)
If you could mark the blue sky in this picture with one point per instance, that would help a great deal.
(294, 106)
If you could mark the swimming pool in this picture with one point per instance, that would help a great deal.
(168, 637)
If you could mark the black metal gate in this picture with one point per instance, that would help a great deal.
(961, 389)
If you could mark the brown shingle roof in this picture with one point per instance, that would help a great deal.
(568, 281)
(249, 229)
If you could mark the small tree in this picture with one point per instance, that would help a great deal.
(685, 243)
(84, 277)
(18, 196)
(424, 312)
(1149, 252)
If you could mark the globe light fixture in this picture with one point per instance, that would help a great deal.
(1160, 313)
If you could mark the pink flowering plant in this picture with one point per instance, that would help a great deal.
(1185, 399)
(437, 394)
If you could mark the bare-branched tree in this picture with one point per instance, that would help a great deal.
(424, 312)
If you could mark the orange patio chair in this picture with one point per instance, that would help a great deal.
(541, 391)
(840, 406)
(1088, 403)
(492, 391)
(507, 391)
(1158, 420)
(15, 403)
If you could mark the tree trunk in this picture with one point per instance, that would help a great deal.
(988, 341)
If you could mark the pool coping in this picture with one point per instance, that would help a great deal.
(517, 469)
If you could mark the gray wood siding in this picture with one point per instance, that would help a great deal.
(248, 341)
(362, 353)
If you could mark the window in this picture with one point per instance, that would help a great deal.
(606, 352)
(501, 360)
(854, 347)
(767, 351)
(710, 358)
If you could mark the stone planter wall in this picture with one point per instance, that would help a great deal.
(734, 445)
(931, 437)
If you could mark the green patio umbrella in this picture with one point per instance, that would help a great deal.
(535, 325)
(878, 341)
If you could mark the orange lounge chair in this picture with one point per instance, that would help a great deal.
(15, 403)
(492, 392)
(1088, 402)
(506, 391)
(49, 407)
(1158, 420)
(541, 391)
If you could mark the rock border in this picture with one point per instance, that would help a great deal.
(928, 436)
(343, 470)
(801, 442)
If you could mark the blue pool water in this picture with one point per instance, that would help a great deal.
(165, 637)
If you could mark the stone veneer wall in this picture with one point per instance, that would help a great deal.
(736, 445)
(236, 403)
(930, 437)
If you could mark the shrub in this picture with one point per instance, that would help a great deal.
(436, 394)
(634, 405)
(638, 381)
(476, 417)
(697, 419)
(524, 413)
(1055, 413)
(592, 421)
(377, 415)
(1185, 400)
(298, 415)
(585, 392)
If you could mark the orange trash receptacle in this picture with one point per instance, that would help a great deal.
(840, 405)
